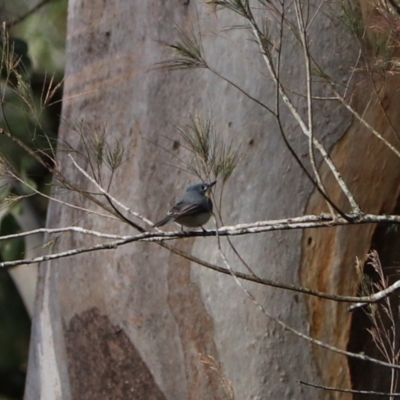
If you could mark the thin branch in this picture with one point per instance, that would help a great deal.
(27, 14)
(236, 86)
(379, 295)
(54, 199)
(304, 222)
(370, 75)
(113, 199)
(303, 36)
(355, 207)
(53, 170)
(293, 330)
(77, 229)
(316, 143)
(362, 120)
(157, 237)
(333, 389)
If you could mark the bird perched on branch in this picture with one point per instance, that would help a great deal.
(193, 209)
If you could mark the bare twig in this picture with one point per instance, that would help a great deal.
(76, 229)
(355, 207)
(293, 330)
(27, 14)
(54, 199)
(333, 389)
(303, 36)
(379, 295)
(158, 237)
(107, 194)
(363, 121)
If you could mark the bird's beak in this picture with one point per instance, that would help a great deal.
(210, 185)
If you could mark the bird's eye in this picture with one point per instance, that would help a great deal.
(204, 187)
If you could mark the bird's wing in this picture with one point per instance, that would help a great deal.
(182, 208)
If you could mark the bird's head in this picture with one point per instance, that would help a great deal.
(203, 188)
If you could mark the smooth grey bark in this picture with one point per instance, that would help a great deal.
(135, 321)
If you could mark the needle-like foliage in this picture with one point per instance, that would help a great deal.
(241, 7)
(210, 154)
(189, 51)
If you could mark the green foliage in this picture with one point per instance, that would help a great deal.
(31, 55)
(351, 18)
(14, 339)
(377, 35)
(44, 31)
(241, 7)
(393, 228)
(226, 161)
(26, 138)
(15, 59)
(100, 148)
(189, 52)
(11, 249)
(210, 154)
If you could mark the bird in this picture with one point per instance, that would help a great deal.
(193, 209)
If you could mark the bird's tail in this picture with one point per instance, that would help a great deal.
(163, 221)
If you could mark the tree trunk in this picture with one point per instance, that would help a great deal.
(138, 322)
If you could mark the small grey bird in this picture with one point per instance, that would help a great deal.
(193, 209)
